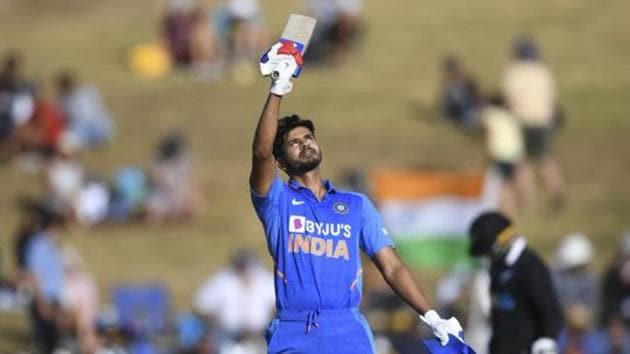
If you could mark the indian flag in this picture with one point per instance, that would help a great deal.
(428, 213)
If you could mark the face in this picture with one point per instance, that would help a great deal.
(301, 152)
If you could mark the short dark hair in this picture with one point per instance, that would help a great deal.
(285, 125)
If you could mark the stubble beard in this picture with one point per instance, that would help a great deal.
(300, 167)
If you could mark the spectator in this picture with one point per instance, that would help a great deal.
(91, 204)
(226, 300)
(580, 337)
(615, 292)
(89, 124)
(460, 101)
(17, 102)
(248, 36)
(172, 195)
(206, 63)
(177, 21)
(531, 96)
(338, 27)
(617, 337)
(80, 300)
(63, 178)
(128, 194)
(28, 225)
(575, 282)
(45, 274)
(525, 313)
(504, 144)
(43, 132)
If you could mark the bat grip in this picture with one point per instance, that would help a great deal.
(275, 74)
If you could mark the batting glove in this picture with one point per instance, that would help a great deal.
(281, 62)
(544, 346)
(442, 328)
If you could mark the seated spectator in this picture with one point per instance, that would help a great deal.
(615, 291)
(17, 102)
(617, 337)
(226, 300)
(172, 192)
(459, 101)
(63, 179)
(579, 336)
(177, 21)
(44, 130)
(46, 279)
(204, 51)
(338, 28)
(248, 36)
(128, 194)
(80, 301)
(91, 204)
(89, 124)
(574, 280)
(28, 225)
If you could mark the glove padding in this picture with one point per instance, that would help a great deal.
(442, 328)
(544, 346)
(281, 62)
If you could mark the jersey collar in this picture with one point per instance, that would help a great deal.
(330, 187)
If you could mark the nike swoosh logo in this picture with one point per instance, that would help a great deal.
(296, 202)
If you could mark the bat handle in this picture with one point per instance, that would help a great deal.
(275, 74)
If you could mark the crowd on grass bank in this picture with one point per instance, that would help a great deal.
(214, 40)
(53, 137)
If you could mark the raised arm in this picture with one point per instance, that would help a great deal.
(263, 161)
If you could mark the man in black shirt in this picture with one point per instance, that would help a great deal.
(526, 315)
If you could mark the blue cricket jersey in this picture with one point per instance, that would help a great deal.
(315, 244)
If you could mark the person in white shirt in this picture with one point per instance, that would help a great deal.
(505, 149)
(238, 298)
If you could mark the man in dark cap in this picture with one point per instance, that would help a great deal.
(525, 315)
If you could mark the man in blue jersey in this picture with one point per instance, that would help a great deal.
(314, 233)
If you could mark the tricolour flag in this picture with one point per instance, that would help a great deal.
(428, 213)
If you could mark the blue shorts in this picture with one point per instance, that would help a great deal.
(342, 331)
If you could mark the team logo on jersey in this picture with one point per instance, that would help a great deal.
(297, 224)
(341, 208)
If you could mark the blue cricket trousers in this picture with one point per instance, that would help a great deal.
(341, 331)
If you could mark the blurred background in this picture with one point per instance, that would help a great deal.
(125, 136)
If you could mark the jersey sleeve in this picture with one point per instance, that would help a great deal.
(264, 204)
(268, 211)
(374, 235)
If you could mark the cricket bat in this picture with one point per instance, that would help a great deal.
(299, 30)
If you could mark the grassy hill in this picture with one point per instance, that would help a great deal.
(365, 110)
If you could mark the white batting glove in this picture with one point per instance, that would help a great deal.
(442, 328)
(283, 68)
(544, 346)
(281, 87)
(280, 67)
